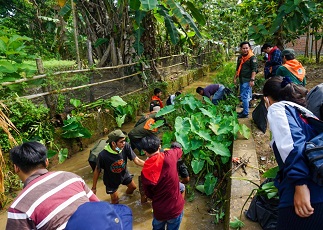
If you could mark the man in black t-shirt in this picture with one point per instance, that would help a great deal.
(113, 160)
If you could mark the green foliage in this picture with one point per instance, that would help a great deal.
(12, 54)
(31, 120)
(205, 132)
(73, 128)
(236, 224)
(120, 108)
(271, 173)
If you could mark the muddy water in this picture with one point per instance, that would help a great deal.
(195, 212)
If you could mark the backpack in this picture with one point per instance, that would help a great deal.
(153, 103)
(169, 101)
(314, 101)
(94, 152)
(313, 152)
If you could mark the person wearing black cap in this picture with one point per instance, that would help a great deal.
(274, 59)
(113, 160)
(292, 68)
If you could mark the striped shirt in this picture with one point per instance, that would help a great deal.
(48, 200)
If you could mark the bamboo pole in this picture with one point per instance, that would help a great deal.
(181, 63)
(69, 71)
(78, 87)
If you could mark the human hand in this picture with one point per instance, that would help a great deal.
(302, 201)
(93, 190)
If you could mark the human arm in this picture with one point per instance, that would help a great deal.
(138, 161)
(96, 174)
(302, 202)
(19, 220)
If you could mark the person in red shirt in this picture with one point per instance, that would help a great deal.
(156, 100)
(161, 183)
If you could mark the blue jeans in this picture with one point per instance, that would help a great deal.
(218, 95)
(172, 224)
(246, 95)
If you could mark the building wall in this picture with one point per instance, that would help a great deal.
(299, 45)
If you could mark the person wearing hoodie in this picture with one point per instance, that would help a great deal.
(274, 60)
(292, 68)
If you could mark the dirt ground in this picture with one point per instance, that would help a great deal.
(266, 159)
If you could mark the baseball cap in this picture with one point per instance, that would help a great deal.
(115, 135)
(288, 52)
(101, 215)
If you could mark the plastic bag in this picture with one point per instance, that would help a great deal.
(259, 116)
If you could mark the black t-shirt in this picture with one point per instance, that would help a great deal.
(115, 165)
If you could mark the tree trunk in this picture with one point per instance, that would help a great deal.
(307, 42)
(78, 60)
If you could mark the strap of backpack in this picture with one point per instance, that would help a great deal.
(315, 123)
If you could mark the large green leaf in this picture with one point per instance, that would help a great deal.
(7, 67)
(169, 24)
(166, 110)
(209, 184)
(75, 102)
(138, 45)
(148, 5)
(197, 165)
(157, 124)
(134, 4)
(219, 149)
(116, 101)
(271, 173)
(200, 188)
(203, 134)
(245, 131)
(62, 155)
(196, 143)
(196, 13)
(167, 138)
(184, 141)
(182, 125)
(120, 120)
(183, 17)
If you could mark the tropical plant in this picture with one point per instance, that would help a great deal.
(12, 54)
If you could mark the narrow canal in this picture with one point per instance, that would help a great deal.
(196, 214)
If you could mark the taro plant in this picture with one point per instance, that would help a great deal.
(119, 107)
(73, 127)
(206, 133)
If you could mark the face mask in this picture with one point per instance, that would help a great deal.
(266, 102)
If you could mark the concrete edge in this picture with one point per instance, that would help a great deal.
(238, 189)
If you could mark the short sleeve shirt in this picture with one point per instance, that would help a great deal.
(115, 166)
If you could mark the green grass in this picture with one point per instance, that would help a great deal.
(55, 65)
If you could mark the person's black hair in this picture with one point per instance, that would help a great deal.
(157, 91)
(29, 156)
(150, 144)
(244, 43)
(265, 46)
(199, 89)
(178, 93)
(282, 89)
(289, 56)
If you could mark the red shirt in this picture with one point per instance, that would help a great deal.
(161, 184)
(155, 98)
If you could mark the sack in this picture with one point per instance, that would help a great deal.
(264, 211)
(259, 116)
(94, 152)
(314, 148)
(314, 154)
